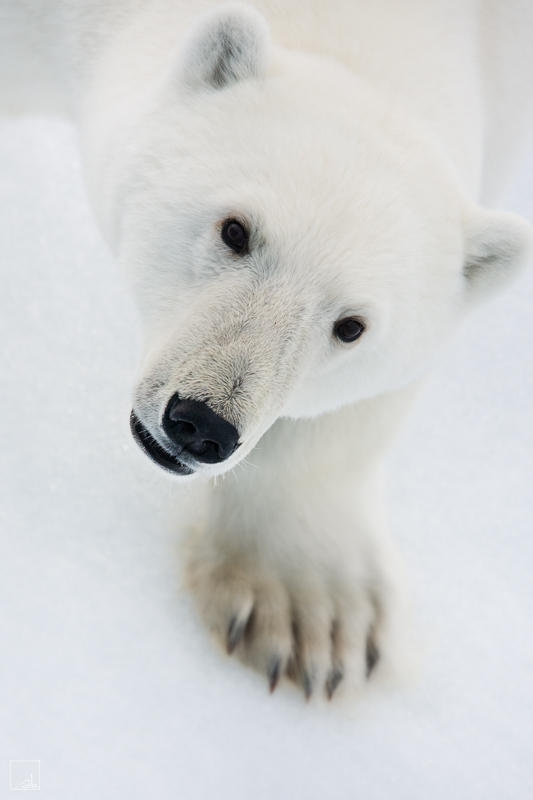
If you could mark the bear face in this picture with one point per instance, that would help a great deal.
(340, 210)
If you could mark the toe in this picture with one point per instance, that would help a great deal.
(268, 637)
(312, 640)
(353, 652)
(225, 600)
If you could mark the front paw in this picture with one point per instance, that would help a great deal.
(321, 631)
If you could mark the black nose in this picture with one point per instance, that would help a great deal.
(197, 430)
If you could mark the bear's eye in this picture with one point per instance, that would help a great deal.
(235, 235)
(348, 329)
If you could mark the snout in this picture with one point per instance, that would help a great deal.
(234, 360)
(192, 434)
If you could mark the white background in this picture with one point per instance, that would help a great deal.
(106, 675)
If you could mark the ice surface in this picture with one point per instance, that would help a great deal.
(106, 675)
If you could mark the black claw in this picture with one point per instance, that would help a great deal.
(274, 673)
(334, 678)
(307, 683)
(235, 634)
(372, 656)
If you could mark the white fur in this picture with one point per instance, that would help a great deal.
(358, 140)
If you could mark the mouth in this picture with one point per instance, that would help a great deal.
(154, 450)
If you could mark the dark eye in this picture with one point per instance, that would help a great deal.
(235, 235)
(348, 329)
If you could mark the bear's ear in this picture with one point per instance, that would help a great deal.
(226, 45)
(497, 245)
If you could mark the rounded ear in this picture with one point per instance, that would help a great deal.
(227, 44)
(497, 245)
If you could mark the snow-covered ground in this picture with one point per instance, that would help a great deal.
(106, 675)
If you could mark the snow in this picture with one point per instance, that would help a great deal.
(108, 678)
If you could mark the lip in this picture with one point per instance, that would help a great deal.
(154, 450)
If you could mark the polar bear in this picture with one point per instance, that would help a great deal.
(301, 194)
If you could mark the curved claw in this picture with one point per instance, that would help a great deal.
(274, 673)
(334, 678)
(308, 684)
(235, 633)
(372, 656)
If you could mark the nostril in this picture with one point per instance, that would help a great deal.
(204, 448)
(173, 409)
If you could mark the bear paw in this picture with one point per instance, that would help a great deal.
(319, 634)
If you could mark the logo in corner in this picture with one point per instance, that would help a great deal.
(24, 775)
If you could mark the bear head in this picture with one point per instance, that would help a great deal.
(295, 243)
